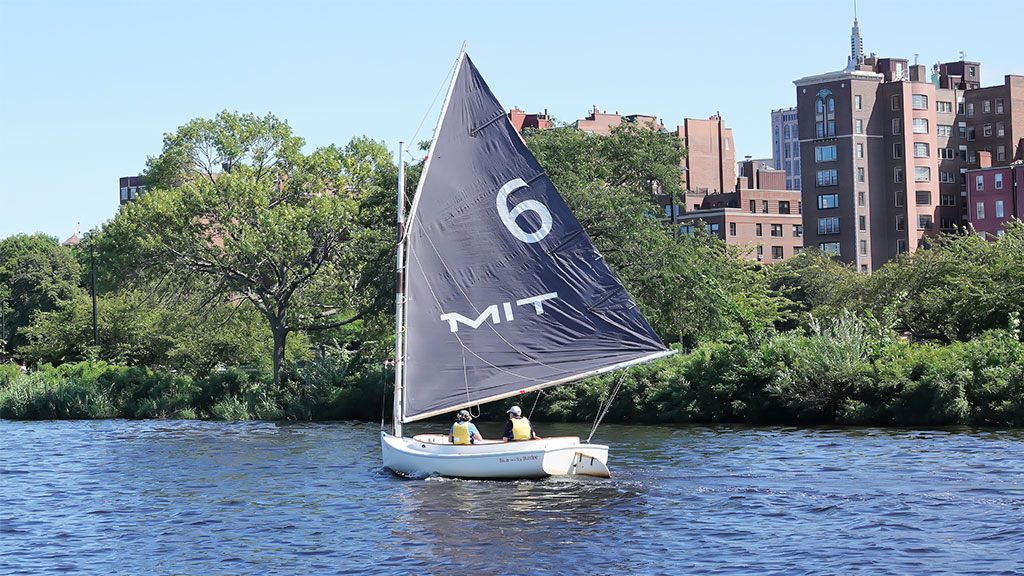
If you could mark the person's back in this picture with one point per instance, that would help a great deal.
(518, 426)
(463, 431)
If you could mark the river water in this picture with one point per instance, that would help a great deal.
(187, 497)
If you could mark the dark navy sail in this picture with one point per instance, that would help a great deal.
(505, 291)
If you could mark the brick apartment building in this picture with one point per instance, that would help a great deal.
(758, 214)
(130, 188)
(885, 149)
(522, 120)
(995, 194)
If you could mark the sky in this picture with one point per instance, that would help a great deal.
(89, 88)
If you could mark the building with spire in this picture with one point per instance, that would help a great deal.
(884, 148)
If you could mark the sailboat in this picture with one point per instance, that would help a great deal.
(500, 292)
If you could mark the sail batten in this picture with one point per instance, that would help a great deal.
(505, 291)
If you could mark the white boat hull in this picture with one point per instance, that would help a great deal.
(432, 454)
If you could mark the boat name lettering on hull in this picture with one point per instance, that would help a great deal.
(453, 318)
(518, 459)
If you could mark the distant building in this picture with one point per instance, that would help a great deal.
(600, 123)
(522, 120)
(130, 188)
(74, 238)
(759, 214)
(710, 163)
(995, 194)
(786, 145)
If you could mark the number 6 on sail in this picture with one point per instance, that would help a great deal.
(493, 301)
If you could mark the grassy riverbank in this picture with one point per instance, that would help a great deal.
(847, 372)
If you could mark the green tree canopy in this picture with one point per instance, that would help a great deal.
(37, 274)
(237, 211)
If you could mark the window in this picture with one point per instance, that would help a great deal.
(999, 184)
(920, 125)
(897, 126)
(924, 222)
(900, 197)
(827, 201)
(947, 177)
(785, 131)
(920, 149)
(947, 200)
(783, 207)
(760, 253)
(922, 174)
(777, 230)
(970, 133)
(753, 206)
(944, 130)
(943, 106)
(757, 230)
(824, 153)
(999, 105)
(862, 222)
(980, 210)
(999, 208)
(860, 174)
(897, 174)
(986, 130)
(1000, 129)
(895, 100)
(860, 198)
(946, 153)
(764, 206)
(827, 178)
(901, 246)
(824, 114)
(858, 126)
(963, 130)
(901, 222)
(919, 102)
(860, 150)
(924, 198)
(857, 102)
(713, 228)
(798, 230)
(1000, 152)
(986, 106)
(732, 228)
(970, 109)
(777, 253)
(829, 248)
(946, 224)
(828, 225)
(897, 150)
(979, 182)
(864, 247)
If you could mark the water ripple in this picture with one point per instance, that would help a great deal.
(168, 497)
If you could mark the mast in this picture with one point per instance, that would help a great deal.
(396, 423)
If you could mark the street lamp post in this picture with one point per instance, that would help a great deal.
(95, 326)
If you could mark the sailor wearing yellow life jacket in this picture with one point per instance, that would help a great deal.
(518, 426)
(464, 431)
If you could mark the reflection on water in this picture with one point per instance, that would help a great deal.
(199, 498)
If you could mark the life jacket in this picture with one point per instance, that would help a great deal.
(460, 433)
(521, 429)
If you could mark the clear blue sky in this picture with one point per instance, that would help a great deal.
(88, 88)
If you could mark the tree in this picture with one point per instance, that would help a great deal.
(37, 275)
(236, 211)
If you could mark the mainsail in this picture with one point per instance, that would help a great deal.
(505, 291)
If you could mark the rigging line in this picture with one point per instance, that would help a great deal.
(477, 310)
(539, 392)
(606, 407)
(413, 254)
(441, 89)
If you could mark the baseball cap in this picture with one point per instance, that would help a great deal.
(515, 410)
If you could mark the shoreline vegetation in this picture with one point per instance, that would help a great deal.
(242, 253)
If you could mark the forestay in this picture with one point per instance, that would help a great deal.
(505, 291)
